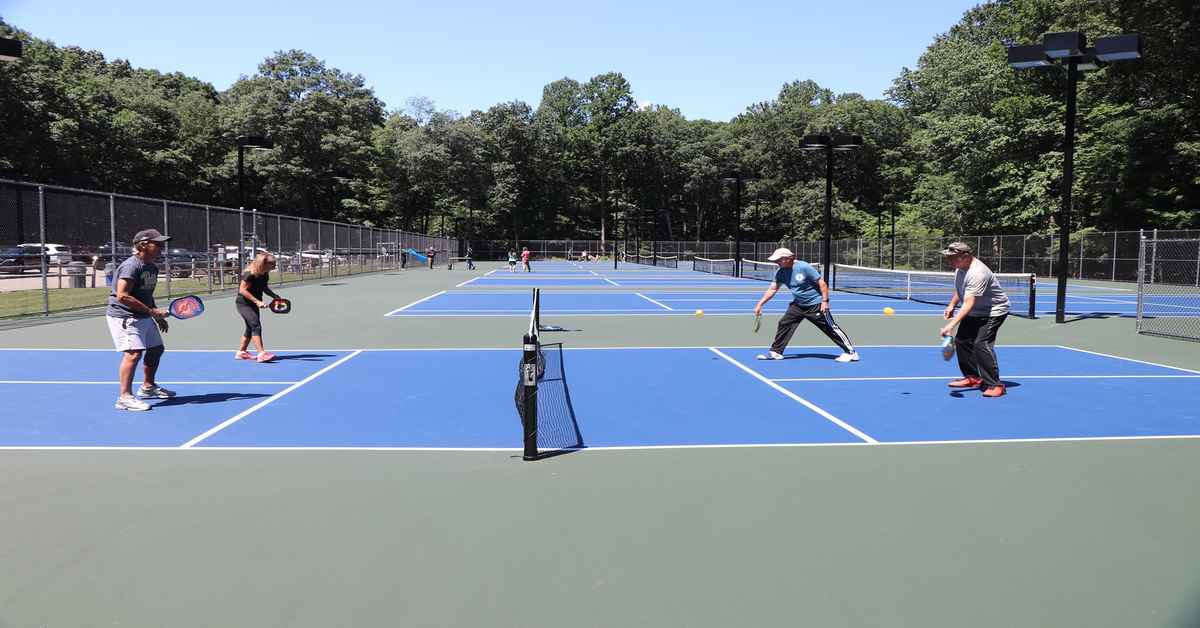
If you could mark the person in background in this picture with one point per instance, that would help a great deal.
(525, 259)
(249, 302)
(136, 324)
(512, 261)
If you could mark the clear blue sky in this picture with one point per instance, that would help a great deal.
(707, 59)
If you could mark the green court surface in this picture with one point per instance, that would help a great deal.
(1049, 533)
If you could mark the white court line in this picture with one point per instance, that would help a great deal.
(230, 421)
(466, 282)
(490, 272)
(655, 302)
(1006, 376)
(415, 302)
(811, 406)
(584, 450)
(612, 282)
(1109, 355)
(1095, 287)
(170, 383)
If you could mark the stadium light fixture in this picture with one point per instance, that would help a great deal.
(10, 49)
(1070, 50)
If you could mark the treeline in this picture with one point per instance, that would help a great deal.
(963, 145)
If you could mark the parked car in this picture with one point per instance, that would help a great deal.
(58, 253)
(103, 255)
(18, 259)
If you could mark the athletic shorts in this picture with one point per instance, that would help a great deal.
(134, 334)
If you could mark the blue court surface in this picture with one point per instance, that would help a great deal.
(462, 399)
(643, 302)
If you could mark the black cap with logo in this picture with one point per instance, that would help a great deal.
(148, 235)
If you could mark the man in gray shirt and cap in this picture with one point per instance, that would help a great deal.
(136, 322)
(984, 308)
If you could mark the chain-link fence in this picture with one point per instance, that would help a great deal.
(1107, 256)
(59, 246)
(1169, 288)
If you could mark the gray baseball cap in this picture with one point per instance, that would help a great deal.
(957, 248)
(147, 235)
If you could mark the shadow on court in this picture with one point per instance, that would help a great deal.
(303, 357)
(186, 400)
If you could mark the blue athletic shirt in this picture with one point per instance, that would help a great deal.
(802, 280)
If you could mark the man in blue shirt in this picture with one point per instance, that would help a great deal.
(810, 300)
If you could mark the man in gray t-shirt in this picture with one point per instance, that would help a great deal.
(136, 323)
(142, 276)
(984, 308)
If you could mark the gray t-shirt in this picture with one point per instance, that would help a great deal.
(144, 276)
(990, 298)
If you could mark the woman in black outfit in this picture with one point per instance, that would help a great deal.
(249, 302)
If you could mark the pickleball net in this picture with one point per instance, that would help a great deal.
(542, 398)
(714, 266)
(930, 286)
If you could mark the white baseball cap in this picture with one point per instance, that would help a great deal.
(780, 253)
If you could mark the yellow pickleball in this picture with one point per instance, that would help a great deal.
(887, 311)
(699, 313)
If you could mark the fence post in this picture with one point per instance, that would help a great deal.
(1196, 277)
(1082, 237)
(167, 253)
(1114, 256)
(320, 254)
(42, 253)
(1024, 241)
(1153, 253)
(1052, 255)
(112, 233)
(208, 250)
(1141, 277)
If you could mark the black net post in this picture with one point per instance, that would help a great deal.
(529, 383)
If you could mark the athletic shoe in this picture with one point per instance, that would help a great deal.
(129, 402)
(155, 392)
(994, 391)
(265, 356)
(847, 357)
(243, 355)
(770, 355)
(966, 382)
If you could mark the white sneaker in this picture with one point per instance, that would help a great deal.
(770, 355)
(129, 402)
(847, 357)
(155, 392)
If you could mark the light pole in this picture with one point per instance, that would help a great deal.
(243, 142)
(879, 234)
(828, 144)
(893, 211)
(1070, 51)
(739, 182)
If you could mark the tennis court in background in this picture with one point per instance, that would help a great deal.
(597, 289)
